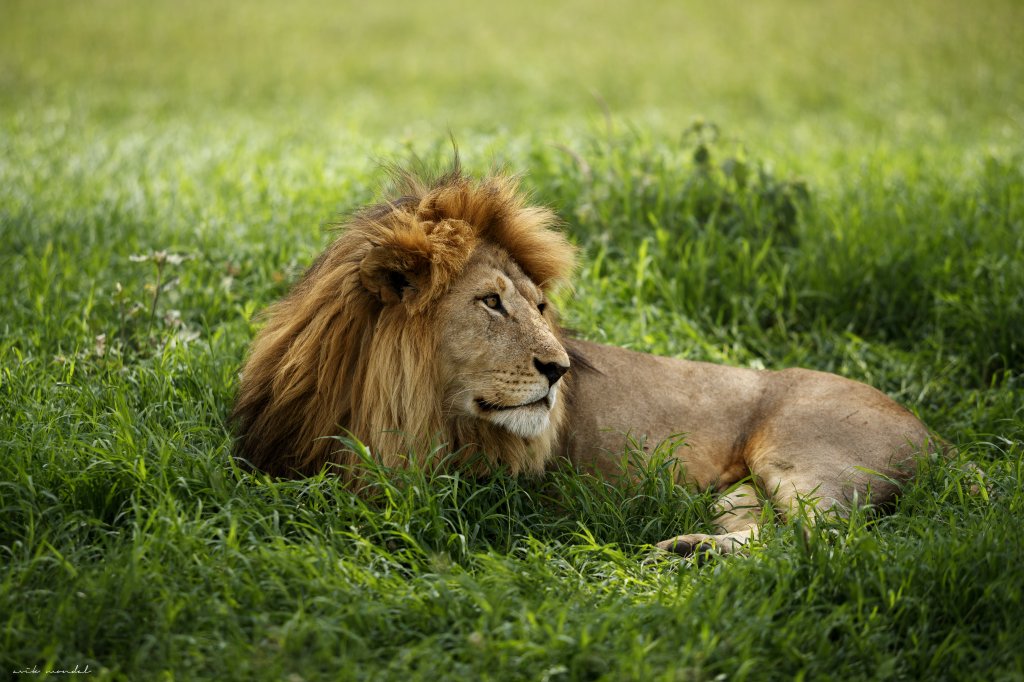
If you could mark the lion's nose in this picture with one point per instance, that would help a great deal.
(552, 370)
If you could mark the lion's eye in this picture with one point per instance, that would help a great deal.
(541, 306)
(493, 301)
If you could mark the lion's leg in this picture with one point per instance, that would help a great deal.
(793, 498)
(738, 514)
(796, 489)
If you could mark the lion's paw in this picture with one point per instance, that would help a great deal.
(689, 545)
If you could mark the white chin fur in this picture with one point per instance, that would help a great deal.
(527, 422)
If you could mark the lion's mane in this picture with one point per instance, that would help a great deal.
(351, 349)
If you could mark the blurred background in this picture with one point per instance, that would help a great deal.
(804, 77)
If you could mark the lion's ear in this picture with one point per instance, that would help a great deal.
(392, 275)
(414, 263)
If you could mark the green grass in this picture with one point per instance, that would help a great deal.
(854, 202)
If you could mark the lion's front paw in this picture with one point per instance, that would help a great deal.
(689, 545)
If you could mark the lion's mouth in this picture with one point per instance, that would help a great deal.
(488, 406)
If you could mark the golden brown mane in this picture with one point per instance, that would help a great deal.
(351, 349)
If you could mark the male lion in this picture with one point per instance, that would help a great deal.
(428, 321)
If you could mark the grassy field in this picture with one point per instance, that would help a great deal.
(826, 184)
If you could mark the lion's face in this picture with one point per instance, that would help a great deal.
(500, 357)
(421, 325)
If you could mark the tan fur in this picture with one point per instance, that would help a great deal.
(420, 331)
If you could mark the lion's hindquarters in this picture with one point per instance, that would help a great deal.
(833, 442)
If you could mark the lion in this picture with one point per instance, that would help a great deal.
(427, 328)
